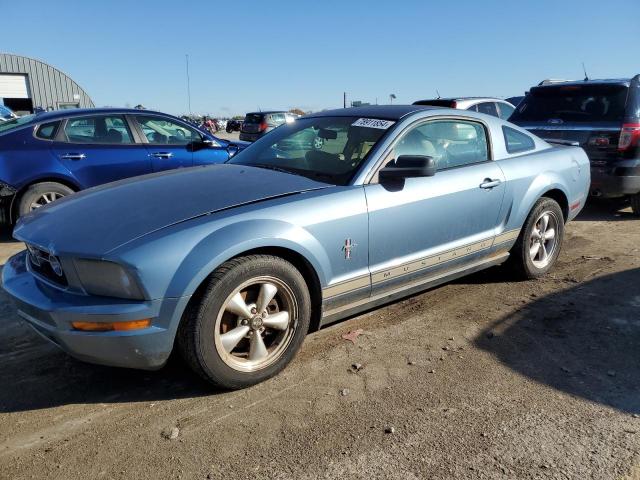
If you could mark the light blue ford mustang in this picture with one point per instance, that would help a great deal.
(322, 218)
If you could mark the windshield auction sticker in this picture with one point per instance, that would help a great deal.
(373, 123)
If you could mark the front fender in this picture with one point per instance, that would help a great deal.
(174, 263)
(232, 240)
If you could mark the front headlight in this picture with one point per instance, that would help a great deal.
(107, 279)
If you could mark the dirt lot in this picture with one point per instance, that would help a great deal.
(483, 378)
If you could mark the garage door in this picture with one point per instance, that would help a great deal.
(13, 86)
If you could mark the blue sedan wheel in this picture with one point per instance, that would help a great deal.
(40, 194)
(249, 322)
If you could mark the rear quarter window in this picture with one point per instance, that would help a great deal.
(517, 142)
(47, 131)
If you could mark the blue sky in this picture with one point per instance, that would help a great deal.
(280, 54)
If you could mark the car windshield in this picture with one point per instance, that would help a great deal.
(327, 149)
(5, 112)
(573, 103)
(15, 123)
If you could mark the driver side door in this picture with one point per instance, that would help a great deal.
(429, 226)
(169, 144)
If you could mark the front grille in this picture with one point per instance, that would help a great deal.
(40, 263)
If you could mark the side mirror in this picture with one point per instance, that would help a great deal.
(207, 142)
(232, 149)
(408, 166)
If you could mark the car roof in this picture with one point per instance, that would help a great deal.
(266, 112)
(387, 112)
(564, 83)
(57, 114)
(461, 99)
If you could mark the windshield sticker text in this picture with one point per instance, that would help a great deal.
(373, 123)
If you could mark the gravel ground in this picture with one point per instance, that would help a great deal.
(482, 378)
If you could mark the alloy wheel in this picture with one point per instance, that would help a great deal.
(45, 199)
(543, 240)
(256, 324)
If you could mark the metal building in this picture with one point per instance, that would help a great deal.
(27, 84)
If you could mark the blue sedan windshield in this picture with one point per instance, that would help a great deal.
(327, 149)
(15, 123)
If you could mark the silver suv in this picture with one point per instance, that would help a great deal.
(256, 124)
(490, 106)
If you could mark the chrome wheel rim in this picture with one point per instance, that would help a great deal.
(544, 239)
(45, 199)
(256, 324)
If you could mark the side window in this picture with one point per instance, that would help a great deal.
(488, 108)
(47, 131)
(162, 131)
(473, 108)
(103, 129)
(516, 141)
(505, 110)
(452, 143)
(276, 118)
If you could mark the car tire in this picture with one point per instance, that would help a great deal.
(41, 194)
(635, 204)
(232, 349)
(540, 240)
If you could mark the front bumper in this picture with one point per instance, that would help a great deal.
(50, 311)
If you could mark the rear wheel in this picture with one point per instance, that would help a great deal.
(635, 204)
(40, 194)
(540, 241)
(250, 322)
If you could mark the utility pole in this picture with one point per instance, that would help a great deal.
(188, 85)
(344, 99)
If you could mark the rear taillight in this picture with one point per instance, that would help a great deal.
(263, 126)
(454, 104)
(629, 136)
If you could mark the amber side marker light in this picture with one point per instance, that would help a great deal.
(111, 326)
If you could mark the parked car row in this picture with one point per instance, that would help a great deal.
(233, 264)
(322, 217)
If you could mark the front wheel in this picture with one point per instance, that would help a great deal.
(540, 240)
(40, 194)
(249, 322)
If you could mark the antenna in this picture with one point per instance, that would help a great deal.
(586, 77)
(188, 84)
(438, 93)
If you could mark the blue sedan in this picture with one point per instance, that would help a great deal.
(233, 264)
(50, 155)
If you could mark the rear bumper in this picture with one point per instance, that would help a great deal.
(614, 182)
(50, 311)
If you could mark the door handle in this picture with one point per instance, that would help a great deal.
(489, 183)
(162, 155)
(73, 156)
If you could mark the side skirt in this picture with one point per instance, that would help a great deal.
(359, 306)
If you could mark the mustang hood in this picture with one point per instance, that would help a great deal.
(96, 221)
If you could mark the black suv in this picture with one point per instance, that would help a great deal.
(603, 117)
(256, 124)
